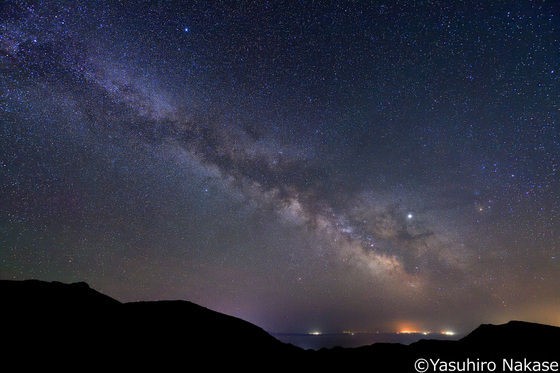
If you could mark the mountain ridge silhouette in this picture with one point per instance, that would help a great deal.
(69, 324)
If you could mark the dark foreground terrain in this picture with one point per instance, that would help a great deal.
(73, 327)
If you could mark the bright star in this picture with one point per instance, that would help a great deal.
(186, 29)
(409, 216)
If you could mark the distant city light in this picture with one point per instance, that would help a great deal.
(448, 332)
(315, 332)
(406, 331)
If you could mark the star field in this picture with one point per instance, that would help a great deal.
(301, 165)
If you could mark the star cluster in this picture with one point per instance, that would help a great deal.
(298, 164)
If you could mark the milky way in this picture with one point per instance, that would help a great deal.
(302, 166)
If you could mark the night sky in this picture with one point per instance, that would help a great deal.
(301, 165)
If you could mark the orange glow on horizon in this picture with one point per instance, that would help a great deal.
(407, 328)
(406, 331)
(413, 328)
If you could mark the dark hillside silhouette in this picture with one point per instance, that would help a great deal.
(71, 326)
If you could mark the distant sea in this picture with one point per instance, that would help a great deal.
(316, 342)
